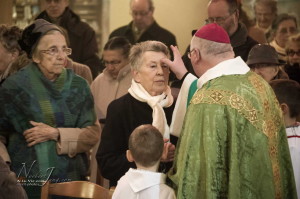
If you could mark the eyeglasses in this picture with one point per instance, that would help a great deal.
(140, 13)
(55, 1)
(218, 20)
(54, 51)
(190, 53)
(112, 63)
(292, 53)
(291, 30)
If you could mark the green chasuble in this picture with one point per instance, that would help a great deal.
(233, 143)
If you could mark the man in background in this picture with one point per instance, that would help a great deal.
(143, 26)
(226, 14)
(82, 37)
(265, 12)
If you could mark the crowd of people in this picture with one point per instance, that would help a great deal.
(219, 121)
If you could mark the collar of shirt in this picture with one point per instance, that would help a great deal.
(141, 179)
(234, 66)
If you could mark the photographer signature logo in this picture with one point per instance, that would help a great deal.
(27, 176)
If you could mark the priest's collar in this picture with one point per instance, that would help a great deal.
(234, 66)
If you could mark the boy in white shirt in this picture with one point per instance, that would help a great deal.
(288, 95)
(146, 147)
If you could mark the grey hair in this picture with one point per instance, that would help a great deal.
(36, 49)
(138, 50)
(211, 48)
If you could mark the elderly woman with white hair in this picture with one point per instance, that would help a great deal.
(149, 101)
(47, 122)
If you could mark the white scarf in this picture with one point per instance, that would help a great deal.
(156, 103)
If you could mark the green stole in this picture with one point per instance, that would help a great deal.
(192, 90)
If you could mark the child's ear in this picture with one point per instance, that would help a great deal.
(285, 108)
(129, 156)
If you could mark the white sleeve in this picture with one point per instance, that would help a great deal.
(181, 105)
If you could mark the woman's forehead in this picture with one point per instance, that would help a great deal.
(54, 39)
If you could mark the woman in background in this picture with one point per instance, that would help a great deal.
(12, 58)
(149, 101)
(283, 27)
(292, 68)
(47, 122)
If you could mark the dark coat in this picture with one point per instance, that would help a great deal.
(154, 32)
(241, 42)
(293, 72)
(82, 40)
(123, 116)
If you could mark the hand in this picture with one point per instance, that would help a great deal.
(169, 152)
(177, 66)
(40, 132)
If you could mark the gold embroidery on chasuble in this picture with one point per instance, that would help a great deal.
(271, 126)
(216, 96)
(228, 98)
(266, 119)
(236, 102)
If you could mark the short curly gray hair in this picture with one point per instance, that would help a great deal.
(138, 50)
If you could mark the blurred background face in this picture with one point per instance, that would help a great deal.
(293, 53)
(285, 29)
(153, 75)
(266, 72)
(264, 16)
(141, 13)
(114, 61)
(218, 12)
(55, 8)
(51, 65)
(6, 58)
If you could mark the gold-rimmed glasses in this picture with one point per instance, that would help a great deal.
(218, 20)
(112, 63)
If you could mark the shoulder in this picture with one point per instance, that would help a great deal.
(166, 192)
(251, 42)
(97, 81)
(122, 102)
(120, 31)
(257, 34)
(123, 188)
(80, 69)
(76, 80)
(18, 79)
(79, 66)
(72, 22)
(155, 28)
(43, 15)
